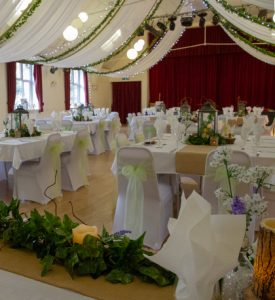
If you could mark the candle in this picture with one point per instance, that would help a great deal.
(81, 231)
(214, 141)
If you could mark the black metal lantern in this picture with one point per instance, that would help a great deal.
(17, 116)
(207, 120)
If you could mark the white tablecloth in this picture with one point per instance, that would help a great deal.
(18, 150)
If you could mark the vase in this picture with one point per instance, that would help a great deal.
(235, 282)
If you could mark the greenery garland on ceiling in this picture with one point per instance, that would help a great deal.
(241, 12)
(248, 39)
(153, 44)
(88, 39)
(130, 39)
(20, 21)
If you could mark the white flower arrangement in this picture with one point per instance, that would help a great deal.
(257, 176)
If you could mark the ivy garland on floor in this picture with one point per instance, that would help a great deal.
(20, 21)
(114, 255)
(241, 12)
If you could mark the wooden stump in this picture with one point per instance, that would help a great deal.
(264, 265)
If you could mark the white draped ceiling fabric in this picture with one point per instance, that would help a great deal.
(41, 32)
(126, 21)
(267, 4)
(154, 56)
(41, 29)
(259, 31)
(252, 51)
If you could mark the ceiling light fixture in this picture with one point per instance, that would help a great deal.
(83, 16)
(152, 30)
(70, 33)
(186, 21)
(172, 24)
(132, 54)
(202, 19)
(138, 46)
(161, 25)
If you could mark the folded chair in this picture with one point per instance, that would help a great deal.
(144, 204)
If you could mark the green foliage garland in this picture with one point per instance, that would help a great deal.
(20, 21)
(241, 12)
(114, 255)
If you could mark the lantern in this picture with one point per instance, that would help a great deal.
(185, 107)
(17, 115)
(207, 120)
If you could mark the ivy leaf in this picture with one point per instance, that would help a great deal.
(119, 276)
(47, 263)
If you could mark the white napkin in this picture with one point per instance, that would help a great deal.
(257, 110)
(201, 248)
(160, 126)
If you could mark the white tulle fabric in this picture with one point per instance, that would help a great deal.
(212, 179)
(118, 31)
(259, 31)
(35, 179)
(74, 165)
(41, 29)
(155, 55)
(144, 204)
(252, 51)
(267, 4)
(7, 11)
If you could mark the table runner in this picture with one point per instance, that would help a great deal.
(25, 263)
(191, 159)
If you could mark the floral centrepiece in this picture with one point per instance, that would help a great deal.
(116, 256)
(232, 174)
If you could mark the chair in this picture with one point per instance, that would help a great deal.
(74, 164)
(40, 181)
(144, 204)
(67, 124)
(98, 138)
(111, 133)
(209, 185)
(121, 140)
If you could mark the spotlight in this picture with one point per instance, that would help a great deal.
(172, 20)
(140, 31)
(161, 25)
(215, 19)
(202, 19)
(53, 69)
(186, 21)
(152, 30)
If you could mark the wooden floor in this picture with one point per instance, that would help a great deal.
(93, 204)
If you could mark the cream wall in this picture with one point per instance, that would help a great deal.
(53, 91)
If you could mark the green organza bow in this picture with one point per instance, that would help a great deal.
(134, 204)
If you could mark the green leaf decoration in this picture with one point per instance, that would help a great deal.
(50, 237)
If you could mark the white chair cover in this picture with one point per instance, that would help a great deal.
(110, 134)
(74, 164)
(40, 181)
(98, 138)
(144, 204)
(210, 184)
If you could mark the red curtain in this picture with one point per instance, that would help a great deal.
(37, 75)
(86, 88)
(67, 88)
(11, 85)
(126, 98)
(217, 72)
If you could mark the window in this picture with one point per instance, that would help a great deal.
(77, 88)
(25, 87)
